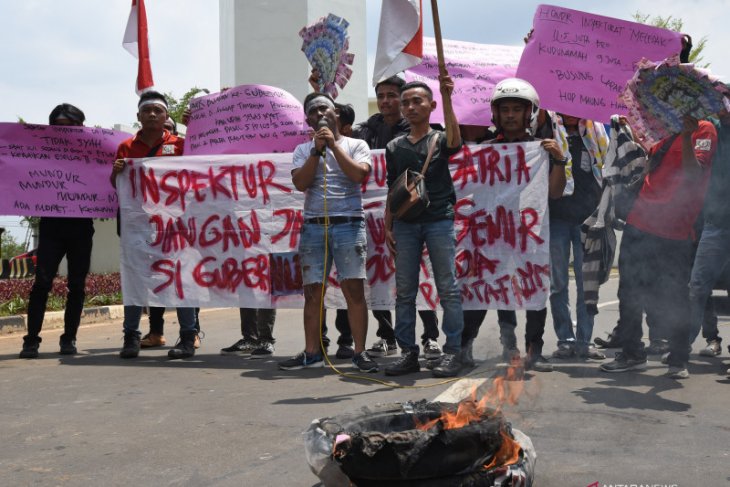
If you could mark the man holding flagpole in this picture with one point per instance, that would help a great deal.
(434, 227)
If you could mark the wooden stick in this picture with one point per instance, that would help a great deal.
(445, 97)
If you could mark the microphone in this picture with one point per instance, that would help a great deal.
(322, 123)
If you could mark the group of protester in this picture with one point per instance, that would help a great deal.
(667, 265)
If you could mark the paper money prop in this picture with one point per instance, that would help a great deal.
(325, 45)
(661, 94)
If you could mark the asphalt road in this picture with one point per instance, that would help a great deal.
(94, 419)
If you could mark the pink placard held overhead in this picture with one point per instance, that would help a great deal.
(247, 119)
(57, 171)
(475, 69)
(579, 62)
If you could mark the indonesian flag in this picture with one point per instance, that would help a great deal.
(135, 41)
(400, 39)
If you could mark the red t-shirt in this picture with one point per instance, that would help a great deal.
(169, 145)
(670, 201)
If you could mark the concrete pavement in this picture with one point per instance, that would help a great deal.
(94, 419)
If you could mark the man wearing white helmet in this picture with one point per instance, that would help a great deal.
(515, 110)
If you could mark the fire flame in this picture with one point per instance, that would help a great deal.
(505, 389)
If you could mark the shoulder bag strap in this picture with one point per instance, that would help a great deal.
(431, 147)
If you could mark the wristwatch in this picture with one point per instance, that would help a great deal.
(560, 162)
(313, 152)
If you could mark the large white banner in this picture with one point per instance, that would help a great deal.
(224, 231)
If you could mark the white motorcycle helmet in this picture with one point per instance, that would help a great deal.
(515, 88)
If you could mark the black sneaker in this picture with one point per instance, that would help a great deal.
(450, 366)
(431, 349)
(564, 351)
(623, 363)
(67, 347)
(265, 350)
(611, 342)
(590, 353)
(364, 363)
(406, 364)
(30, 347)
(538, 363)
(303, 360)
(467, 354)
(130, 349)
(185, 347)
(382, 348)
(241, 347)
(657, 347)
(345, 352)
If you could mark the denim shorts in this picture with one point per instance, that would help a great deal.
(347, 244)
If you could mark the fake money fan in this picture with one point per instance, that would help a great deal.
(661, 94)
(325, 46)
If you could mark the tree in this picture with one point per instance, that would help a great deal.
(9, 246)
(177, 107)
(675, 24)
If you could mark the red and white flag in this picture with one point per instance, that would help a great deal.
(135, 41)
(400, 39)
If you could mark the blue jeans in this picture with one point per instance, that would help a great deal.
(132, 315)
(347, 246)
(563, 234)
(441, 244)
(713, 253)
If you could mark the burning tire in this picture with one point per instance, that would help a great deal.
(420, 444)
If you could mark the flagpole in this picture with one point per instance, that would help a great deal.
(445, 97)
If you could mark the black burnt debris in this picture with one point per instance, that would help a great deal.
(420, 444)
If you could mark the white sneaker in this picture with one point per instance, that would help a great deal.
(431, 349)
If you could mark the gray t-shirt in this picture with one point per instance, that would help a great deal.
(344, 196)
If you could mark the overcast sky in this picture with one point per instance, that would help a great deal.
(70, 50)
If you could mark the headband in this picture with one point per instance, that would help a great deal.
(153, 101)
(318, 100)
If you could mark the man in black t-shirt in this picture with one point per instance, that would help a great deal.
(434, 227)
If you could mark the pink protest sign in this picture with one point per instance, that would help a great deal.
(57, 171)
(248, 119)
(475, 69)
(579, 62)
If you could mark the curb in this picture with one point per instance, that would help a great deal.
(54, 319)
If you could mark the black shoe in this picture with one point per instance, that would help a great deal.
(406, 364)
(467, 354)
(130, 349)
(364, 363)
(345, 351)
(538, 363)
(612, 342)
(185, 347)
(450, 366)
(30, 347)
(67, 347)
(657, 347)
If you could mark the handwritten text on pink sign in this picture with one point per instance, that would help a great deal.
(248, 119)
(57, 171)
(579, 62)
(475, 68)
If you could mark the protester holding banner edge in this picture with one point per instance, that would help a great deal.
(59, 237)
(152, 140)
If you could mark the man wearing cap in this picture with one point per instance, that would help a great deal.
(152, 141)
(330, 169)
(59, 237)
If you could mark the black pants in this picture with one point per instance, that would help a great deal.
(157, 319)
(385, 324)
(59, 237)
(534, 328)
(654, 277)
(257, 324)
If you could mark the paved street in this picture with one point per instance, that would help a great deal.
(95, 419)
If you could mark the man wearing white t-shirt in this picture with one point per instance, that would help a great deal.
(330, 170)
